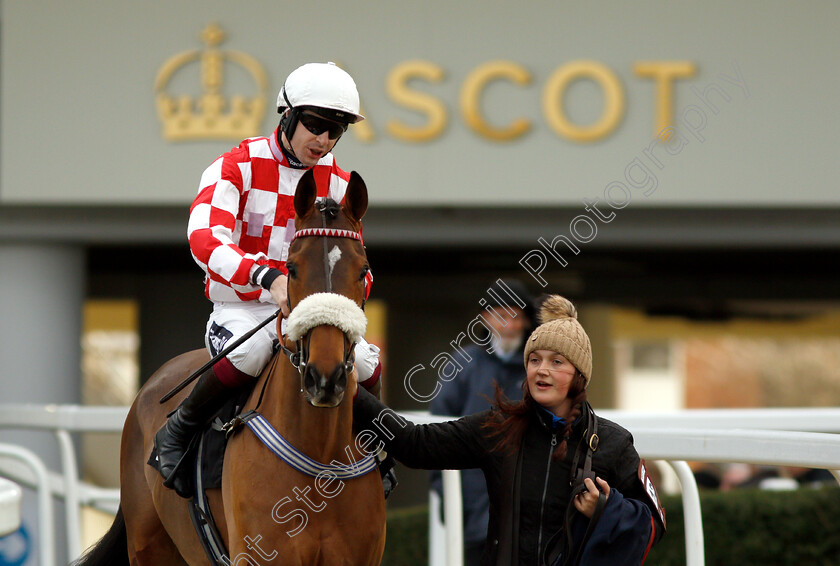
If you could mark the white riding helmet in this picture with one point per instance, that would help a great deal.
(325, 86)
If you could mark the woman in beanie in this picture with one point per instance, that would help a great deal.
(565, 486)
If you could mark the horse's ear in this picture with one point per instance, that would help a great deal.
(305, 194)
(356, 197)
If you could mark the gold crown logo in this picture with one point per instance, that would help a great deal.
(210, 116)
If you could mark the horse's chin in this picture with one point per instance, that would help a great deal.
(323, 402)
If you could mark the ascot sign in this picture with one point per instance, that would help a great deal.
(212, 116)
(436, 116)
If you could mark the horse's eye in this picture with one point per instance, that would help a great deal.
(365, 271)
(292, 269)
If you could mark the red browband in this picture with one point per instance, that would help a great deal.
(328, 233)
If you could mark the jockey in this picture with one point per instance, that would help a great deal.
(240, 227)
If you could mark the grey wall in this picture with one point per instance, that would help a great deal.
(79, 123)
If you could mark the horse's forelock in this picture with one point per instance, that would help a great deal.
(329, 208)
(328, 212)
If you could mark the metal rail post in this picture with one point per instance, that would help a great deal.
(46, 535)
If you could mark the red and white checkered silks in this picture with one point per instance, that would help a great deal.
(244, 214)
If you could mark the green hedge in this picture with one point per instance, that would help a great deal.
(743, 528)
(758, 528)
(407, 537)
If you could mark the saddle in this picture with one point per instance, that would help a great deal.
(213, 440)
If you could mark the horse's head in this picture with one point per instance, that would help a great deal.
(327, 272)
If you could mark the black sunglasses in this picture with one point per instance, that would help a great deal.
(318, 126)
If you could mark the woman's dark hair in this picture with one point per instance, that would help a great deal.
(510, 428)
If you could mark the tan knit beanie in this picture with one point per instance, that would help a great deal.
(560, 332)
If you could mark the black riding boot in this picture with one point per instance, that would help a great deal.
(172, 441)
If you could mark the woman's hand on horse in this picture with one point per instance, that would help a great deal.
(586, 501)
(279, 294)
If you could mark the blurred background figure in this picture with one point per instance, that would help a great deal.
(740, 476)
(745, 475)
(473, 388)
(809, 477)
(707, 476)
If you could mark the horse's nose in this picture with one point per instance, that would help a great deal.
(339, 379)
(322, 390)
(313, 380)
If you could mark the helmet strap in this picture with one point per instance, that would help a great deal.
(288, 125)
(289, 121)
(294, 163)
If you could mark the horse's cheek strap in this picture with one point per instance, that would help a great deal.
(303, 357)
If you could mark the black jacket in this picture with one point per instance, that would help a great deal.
(472, 390)
(529, 493)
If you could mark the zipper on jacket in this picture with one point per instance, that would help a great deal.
(542, 501)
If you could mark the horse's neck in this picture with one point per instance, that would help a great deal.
(321, 433)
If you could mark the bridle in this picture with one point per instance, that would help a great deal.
(300, 358)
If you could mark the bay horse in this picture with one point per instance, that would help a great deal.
(266, 511)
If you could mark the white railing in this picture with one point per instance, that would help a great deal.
(62, 421)
(789, 437)
(817, 419)
(35, 466)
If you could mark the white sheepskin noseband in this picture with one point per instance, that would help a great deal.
(326, 308)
